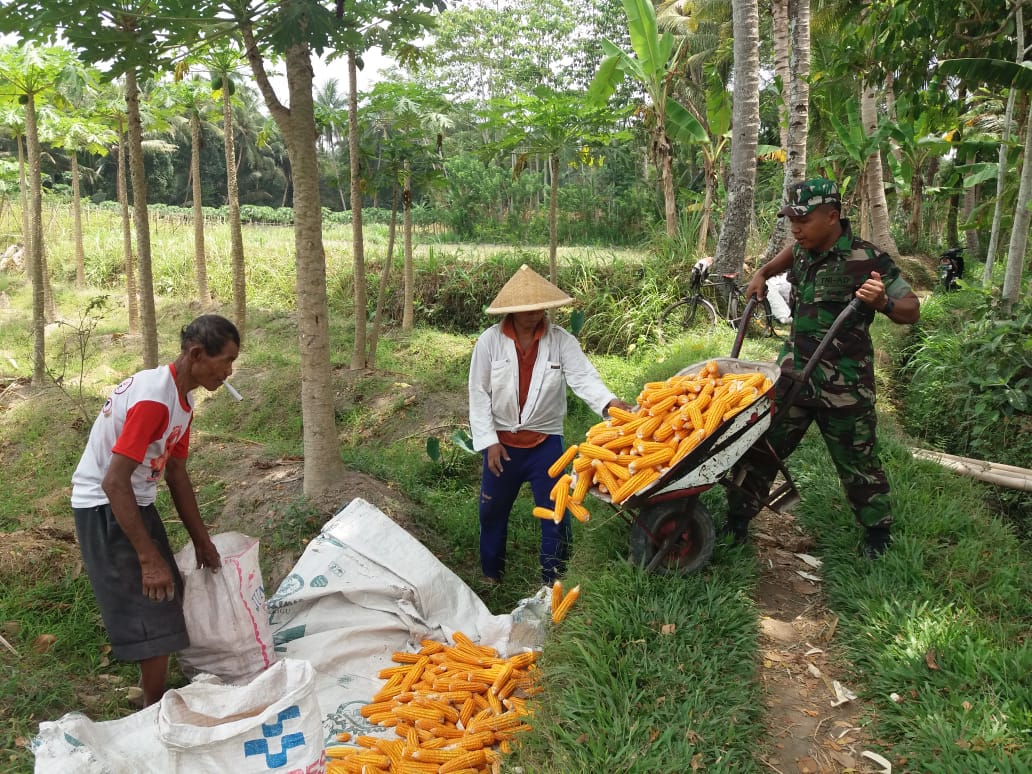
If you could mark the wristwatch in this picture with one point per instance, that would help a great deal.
(889, 306)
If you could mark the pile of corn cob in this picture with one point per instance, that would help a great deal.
(450, 706)
(632, 449)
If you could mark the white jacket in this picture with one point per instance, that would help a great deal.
(494, 385)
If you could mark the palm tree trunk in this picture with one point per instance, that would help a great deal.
(138, 175)
(1001, 174)
(236, 239)
(745, 123)
(881, 234)
(34, 253)
(80, 252)
(779, 11)
(358, 352)
(200, 260)
(1019, 231)
(132, 303)
(797, 113)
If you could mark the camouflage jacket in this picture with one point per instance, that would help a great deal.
(822, 285)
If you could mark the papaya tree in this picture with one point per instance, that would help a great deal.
(29, 72)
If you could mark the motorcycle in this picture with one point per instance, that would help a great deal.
(951, 268)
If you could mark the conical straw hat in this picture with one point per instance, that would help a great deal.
(527, 291)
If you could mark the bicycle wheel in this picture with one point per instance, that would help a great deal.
(761, 322)
(683, 315)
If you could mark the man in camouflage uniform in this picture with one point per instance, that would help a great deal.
(827, 267)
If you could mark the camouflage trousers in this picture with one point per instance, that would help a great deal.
(849, 434)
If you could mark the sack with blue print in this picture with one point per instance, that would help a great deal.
(272, 724)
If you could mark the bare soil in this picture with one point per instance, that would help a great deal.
(809, 729)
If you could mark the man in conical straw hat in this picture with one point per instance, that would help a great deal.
(518, 377)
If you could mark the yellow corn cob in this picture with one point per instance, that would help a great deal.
(559, 484)
(634, 483)
(543, 513)
(620, 415)
(559, 613)
(603, 437)
(695, 415)
(579, 511)
(662, 406)
(406, 658)
(653, 460)
(524, 660)
(565, 459)
(466, 713)
(580, 489)
(597, 452)
(557, 594)
(666, 430)
(649, 447)
(648, 427)
(620, 472)
(429, 647)
(714, 416)
(625, 441)
(582, 464)
(561, 497)
(605, 479)
(469, 760)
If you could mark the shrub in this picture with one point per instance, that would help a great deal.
(967, 386)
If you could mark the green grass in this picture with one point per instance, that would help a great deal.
(620, 694)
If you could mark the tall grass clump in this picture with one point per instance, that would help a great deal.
(967, 385)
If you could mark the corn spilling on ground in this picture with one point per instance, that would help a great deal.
(454, 709)
(632, 449)
(561, 603)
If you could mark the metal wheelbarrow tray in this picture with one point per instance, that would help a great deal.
(672, 531)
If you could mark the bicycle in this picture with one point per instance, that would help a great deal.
(709, 299)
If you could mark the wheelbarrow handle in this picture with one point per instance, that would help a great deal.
(855, 306)
(743, 324)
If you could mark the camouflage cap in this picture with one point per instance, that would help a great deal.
(805, 197)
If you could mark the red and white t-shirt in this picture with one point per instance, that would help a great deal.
(144, 419)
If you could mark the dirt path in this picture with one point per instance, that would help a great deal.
(810, 730)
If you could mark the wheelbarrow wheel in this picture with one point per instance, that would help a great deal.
(683, 531)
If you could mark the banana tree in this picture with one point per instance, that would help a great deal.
(915, 145)
(654, 65)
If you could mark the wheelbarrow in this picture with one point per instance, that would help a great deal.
(672, 532)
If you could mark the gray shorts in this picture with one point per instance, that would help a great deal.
(138, 628)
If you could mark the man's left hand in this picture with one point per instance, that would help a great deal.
(872, 292)
(208, 556)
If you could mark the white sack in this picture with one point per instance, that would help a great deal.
(226, 615)
(779, 290)
(270, 725)
(363, 589)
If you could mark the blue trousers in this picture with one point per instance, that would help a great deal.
(497, 495)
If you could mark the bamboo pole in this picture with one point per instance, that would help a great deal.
(997, 473)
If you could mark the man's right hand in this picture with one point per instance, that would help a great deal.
(495, 454)
(757, 286)
(158, 583)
